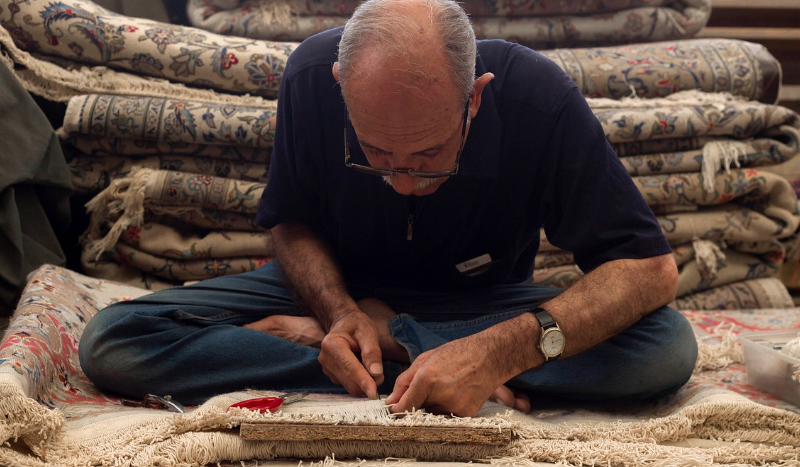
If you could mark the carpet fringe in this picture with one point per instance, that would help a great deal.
(24, 418)
(726, 351)
(124, 199)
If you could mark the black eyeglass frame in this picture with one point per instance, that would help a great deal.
(386, 172)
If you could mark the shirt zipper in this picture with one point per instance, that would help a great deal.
(413, 210)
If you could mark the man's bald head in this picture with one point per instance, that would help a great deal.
(423, 42)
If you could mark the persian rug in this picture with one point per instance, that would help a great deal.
(543, 24)
(115, 146)
(723, 358)
(84, 32)
(197, 227)
(719, 237)
(91, 174)
(170, 242)
(170, 120)
(55, 417)
(663, 68)
(748, 294)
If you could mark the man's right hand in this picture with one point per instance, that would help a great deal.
(352, 333)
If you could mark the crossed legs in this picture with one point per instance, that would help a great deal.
(244, 331)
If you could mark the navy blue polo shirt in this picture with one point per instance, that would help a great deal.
(535, 156)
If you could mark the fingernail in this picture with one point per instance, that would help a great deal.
(376, 368)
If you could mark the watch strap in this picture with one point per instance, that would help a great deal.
(546, 322)
(544, 318)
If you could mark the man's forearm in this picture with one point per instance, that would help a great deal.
(312, 272)
(599, 306)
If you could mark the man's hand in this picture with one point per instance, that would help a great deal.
(455, 378)
(352, 333)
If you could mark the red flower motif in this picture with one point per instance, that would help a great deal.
(69, 11)
(229, 60)
(724, 198)
(53, 40)
(134, 233)
(130, 28)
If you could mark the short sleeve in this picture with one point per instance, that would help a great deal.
(292, 192)
(595, 210)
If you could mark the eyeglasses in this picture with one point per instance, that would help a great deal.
(384, 172)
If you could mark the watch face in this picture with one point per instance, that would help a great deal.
(553, 342)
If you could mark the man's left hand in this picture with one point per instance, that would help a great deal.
(455, 378)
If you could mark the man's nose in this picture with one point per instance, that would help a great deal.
(403, 184)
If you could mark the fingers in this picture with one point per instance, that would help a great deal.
(400, 386)
(341, 365)
(371, 353)
(503, 395)
(410, 392)
(522, 403)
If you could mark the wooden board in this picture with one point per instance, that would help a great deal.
(422, 434)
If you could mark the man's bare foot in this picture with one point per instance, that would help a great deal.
(516, 400)
(301, 329)
(381, 313)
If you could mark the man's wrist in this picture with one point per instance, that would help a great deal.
(512, 345)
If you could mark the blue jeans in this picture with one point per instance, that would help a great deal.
(188, 342)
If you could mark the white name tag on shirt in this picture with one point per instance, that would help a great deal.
(474, 263)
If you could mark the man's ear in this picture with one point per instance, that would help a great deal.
(335, 71)
(477, 89)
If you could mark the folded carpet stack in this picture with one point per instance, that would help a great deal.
(82, 32)
(724, 223)
(536, 23)
(181, 180)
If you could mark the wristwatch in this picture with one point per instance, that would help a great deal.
(552, 340)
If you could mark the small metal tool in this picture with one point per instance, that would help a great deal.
(151, 401)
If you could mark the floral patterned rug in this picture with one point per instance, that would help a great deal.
(540, 23)
(55, 417)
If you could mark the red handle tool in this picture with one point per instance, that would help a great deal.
(269, 403)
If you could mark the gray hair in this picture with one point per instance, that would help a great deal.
(376, 23)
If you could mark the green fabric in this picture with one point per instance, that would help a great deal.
(34, 190)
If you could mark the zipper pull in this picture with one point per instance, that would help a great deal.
(410, 230)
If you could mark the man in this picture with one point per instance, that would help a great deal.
(409, 246)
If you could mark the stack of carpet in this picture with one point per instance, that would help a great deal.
(724, 223)
(536, 23)
(180, 182)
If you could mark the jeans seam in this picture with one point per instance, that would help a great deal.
(481, 320)
(184, 316)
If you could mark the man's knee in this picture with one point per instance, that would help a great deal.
(106, 353)
(667, 353)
